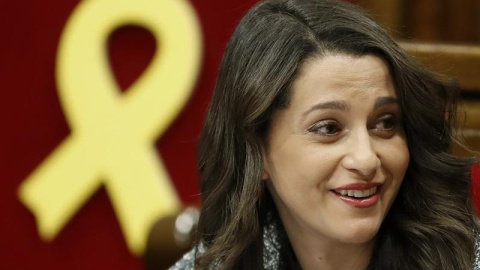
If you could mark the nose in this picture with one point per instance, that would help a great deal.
(361, 156)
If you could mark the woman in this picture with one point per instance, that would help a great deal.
(327, 147)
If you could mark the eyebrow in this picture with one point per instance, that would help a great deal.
(341, 105)
(382, 101)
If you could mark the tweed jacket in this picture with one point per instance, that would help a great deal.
(273, 242)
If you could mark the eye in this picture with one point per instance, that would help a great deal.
(386, 123)
(326, 128)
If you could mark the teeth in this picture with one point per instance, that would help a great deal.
(358, 193)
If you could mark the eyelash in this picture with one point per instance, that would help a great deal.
(388, 120)
(325, 124)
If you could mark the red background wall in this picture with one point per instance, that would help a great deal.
(33, 125)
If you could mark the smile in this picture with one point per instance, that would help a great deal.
(359, 195)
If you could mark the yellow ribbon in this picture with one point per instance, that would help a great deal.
(113, 134)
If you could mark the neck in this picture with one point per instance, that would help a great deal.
(315, 253)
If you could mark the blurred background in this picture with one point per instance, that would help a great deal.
(444, 34)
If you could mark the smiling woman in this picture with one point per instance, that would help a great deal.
(335, 159)
(327, 147)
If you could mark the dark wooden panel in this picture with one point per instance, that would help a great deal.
(462, 62)
(429, 20)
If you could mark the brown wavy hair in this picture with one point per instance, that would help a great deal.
(431, 224)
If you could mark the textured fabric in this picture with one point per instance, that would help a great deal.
(187, 261)
(271, 256)
(476, 265)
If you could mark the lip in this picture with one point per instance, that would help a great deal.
(358, 186)
(359, 203)
(362, 202)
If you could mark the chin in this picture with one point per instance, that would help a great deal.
(360, 232)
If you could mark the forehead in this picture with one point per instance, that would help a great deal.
(343, 76)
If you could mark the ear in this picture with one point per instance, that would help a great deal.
(265, 175)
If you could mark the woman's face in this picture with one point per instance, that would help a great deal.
(334, 159)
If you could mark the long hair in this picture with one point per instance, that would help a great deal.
(431, 224)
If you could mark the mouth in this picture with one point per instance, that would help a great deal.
(363, 196)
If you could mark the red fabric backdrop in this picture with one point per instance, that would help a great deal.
(33, 125)
(476, 187)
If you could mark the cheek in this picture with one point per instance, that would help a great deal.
(396, 156)
(402, 160)
(302, 167)
(299, 180)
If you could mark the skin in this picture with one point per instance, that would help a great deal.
(342, 126)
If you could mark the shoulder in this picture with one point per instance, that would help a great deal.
(476, 264)
(187, 262)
